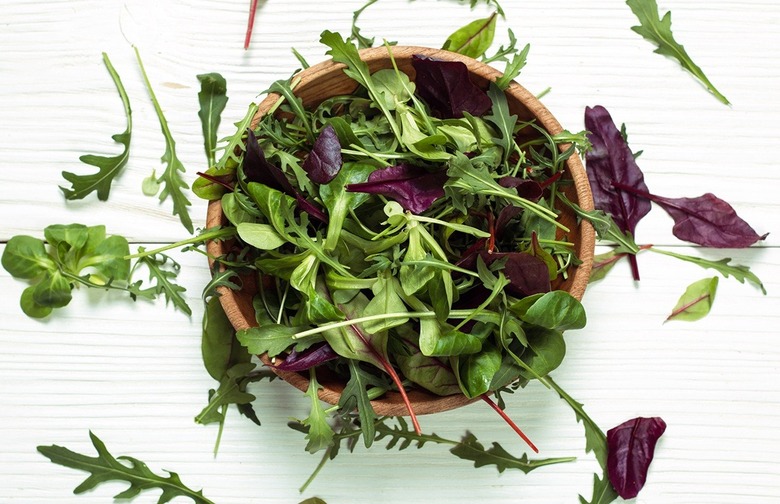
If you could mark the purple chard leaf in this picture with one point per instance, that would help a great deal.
(313, 356)
(705, 220)
(324, 161)
(446, 88)
(630, 449)
(527, 274)
(611, 161)
(258, 169)
(413, 187)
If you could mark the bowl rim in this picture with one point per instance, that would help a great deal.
(242, 317)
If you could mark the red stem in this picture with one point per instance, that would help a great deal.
(491, 245)
(250, 23)
(551, 180)
(509, 421)
(394, 376)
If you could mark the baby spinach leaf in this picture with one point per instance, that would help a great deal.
(213, 99)
(696, 301)
(547, 351)
(323, 162)
(475, 372)
(631, 449)
(659, 31)
(260, 236)
(173, 184)
(338, 200)
(219, 347)
(108, 166)
(105, 467)
(469, 448)
(446, 88)
(556, 310)
(473, 39)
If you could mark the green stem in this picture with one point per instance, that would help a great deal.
(209, 234)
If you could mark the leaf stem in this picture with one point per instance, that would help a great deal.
(209, 234)
(509, 421)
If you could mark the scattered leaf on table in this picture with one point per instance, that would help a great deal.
(105, 467)
(659, 31)
(108, 166)
(631, 449)
(697, 300)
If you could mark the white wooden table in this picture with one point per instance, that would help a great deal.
(132, 372)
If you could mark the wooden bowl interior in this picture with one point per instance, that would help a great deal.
(327, 79)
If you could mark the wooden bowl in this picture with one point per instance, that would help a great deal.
(327, 79)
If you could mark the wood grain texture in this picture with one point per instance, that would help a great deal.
(132, 372)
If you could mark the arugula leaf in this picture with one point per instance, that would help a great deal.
(172, 182)
(164, 270)
(232, 390)
(320, 433)
(108, 166)
(105, 467)
(213, 99)
(722, 266)
(355, 396)
(470, 448)
(659, 31)
(513, 67)
(595, 439)
(603, 491)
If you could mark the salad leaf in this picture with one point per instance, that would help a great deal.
(414, 187)
(473, 39)
(610, 161)
(164, 270)
(631, 449)
(306, 359)
(447, 89)
(173, 185)
(659, 31)
(105, 467)
(696, 301)
(324, 160)
(213, 99)
(108, 166)
(320, 433)
(603, 492)
(705, 220)
(722, 266)
(470, 448)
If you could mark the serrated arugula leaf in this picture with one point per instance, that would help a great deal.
(470, 448)
(355, 396)
(659, 31)
(595, 439)
(105, 467)
(232, 390)
(164, 270)
(320, 433)
(722, 266)
(603, 492)
(212, 98)
(108, 166)
(171, 179)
